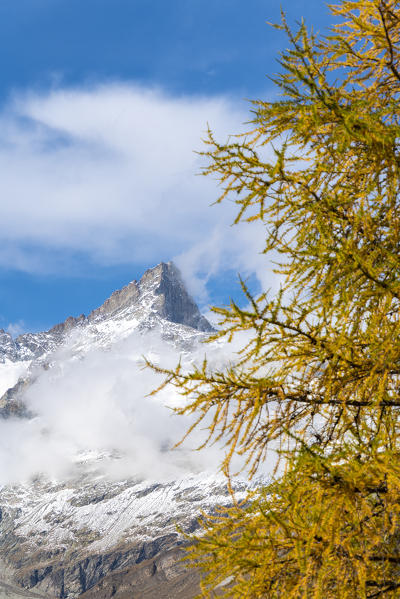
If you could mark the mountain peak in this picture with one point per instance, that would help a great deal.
(173, 300)
(163, 291)
(160, 295)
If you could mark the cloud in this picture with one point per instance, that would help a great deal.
(110, 172)
(99, 405)
(16, 328)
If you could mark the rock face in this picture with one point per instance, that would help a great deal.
(8, 349)
(122, 298)
(159, 295)
(173, 301)
(90, 536)
(160, 290)
(164, 577)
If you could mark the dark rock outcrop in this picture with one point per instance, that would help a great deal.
(70, 577)
(175, 304)
(165, 576)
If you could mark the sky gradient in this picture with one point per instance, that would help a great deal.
(102, 103)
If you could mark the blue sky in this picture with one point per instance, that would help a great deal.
(101, 104)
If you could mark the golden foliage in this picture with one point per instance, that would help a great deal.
(318, 532)
(320, 377)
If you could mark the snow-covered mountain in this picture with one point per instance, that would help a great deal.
(159, 301)
(89, 532)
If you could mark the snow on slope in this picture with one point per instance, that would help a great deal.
(85, 388)
(99, 515)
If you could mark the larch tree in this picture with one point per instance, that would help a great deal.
(319, 382)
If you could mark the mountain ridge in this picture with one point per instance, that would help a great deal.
(170, 301)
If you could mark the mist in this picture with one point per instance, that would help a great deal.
(95, 413)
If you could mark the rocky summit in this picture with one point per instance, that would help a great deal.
(160, 295)
(159, 301)
(87, 534)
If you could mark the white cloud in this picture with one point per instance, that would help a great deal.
(100, 404)
(16, 328)
(110, 171)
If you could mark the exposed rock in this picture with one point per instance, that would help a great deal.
(33, 345)
(68, 324)
(174, 303)
(8, 349)
(69, 578)
(121, 298)
(159, 293)
(11, 403)
(13, 408)
(170, 300)
(163, 577)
